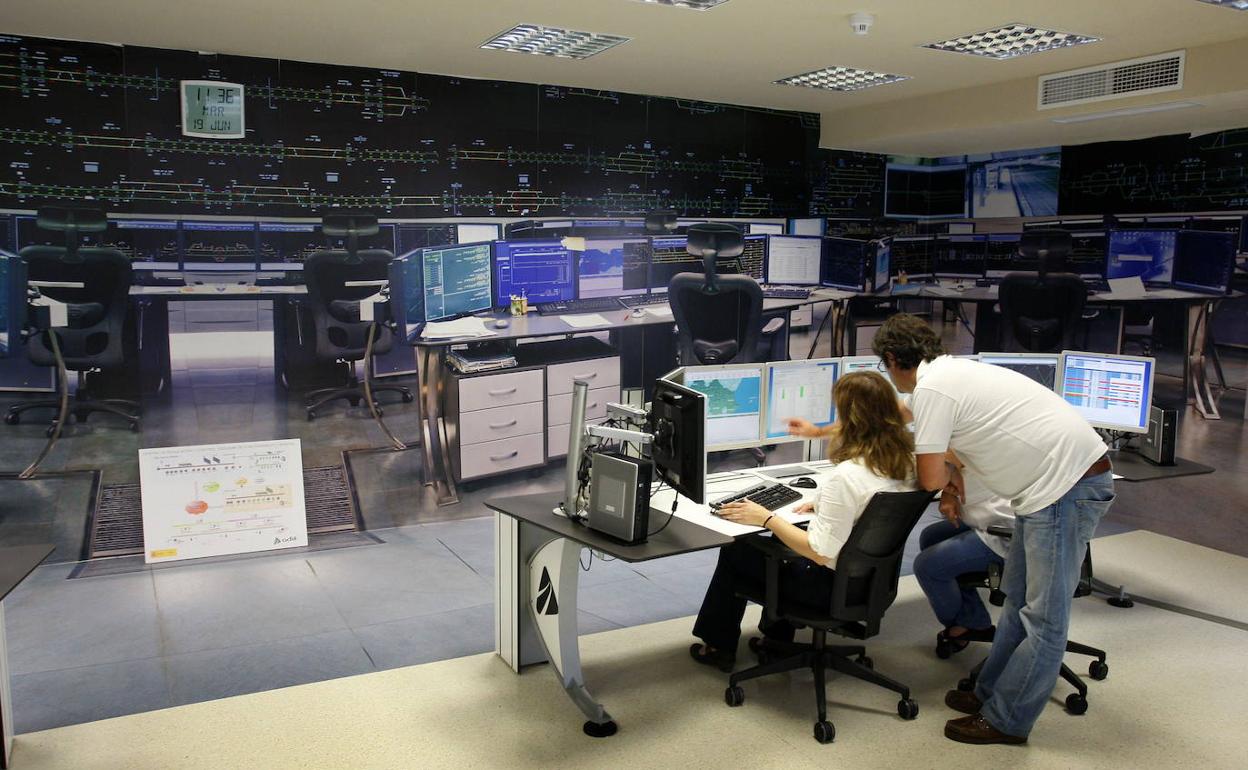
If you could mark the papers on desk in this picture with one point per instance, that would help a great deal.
(456, 328)
(942, 291)
(660, 311)
(585, 320)
(1126, 288)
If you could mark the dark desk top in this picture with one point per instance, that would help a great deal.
(17, 562)
(679, 537)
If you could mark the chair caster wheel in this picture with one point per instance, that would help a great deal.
(1076, 704)
(311, 415)
(907, 708)
(603, 730)
(1121, 602)
(379, 410)
(943, 650)
(408, 398)
(12, 418)
(966, 685)
(734, 696)
(825, 732)
(866, 662)
(1098, 670)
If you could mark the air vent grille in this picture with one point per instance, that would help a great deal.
(1151, 74)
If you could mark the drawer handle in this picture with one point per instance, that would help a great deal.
(504, 392)
(590, 376)
(508, 456)
(500, 425)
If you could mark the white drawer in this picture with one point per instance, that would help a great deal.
(557, 439)
(500, 422)
(559, 409)
(499, 456)
(598, 372)
(499, 390)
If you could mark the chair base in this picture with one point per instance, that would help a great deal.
(80, 409)
(1076, 702)
(353, 393)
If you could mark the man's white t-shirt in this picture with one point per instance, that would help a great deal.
(844, 491)
(1026, 443)
(983, 509)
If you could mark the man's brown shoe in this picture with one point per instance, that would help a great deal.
(966, 702)
(975, 729)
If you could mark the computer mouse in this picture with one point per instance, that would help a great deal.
(805, 482)
(638, 312)
(502, 323)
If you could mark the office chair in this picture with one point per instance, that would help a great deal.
(718, 317)
(1098, 669)
(864, 586)
(1042, 311)
(92, 340)
(341, 337)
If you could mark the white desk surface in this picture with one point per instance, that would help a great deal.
(721, 484)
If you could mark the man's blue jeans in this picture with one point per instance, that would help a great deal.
(947, 551)
(1041, 573)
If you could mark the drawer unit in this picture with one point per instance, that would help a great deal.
(559, 408)
(598, 372)
(499, 423)
(495, 422)
(494, 390)
(491, 457)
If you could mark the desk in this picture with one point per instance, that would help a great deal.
(16, 563)
(537, 567)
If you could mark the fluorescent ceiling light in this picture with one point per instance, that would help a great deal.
(1127, 112)
(841, 79)
(693, 5)
(1011, 41)
(552, 41)
(1239, 5)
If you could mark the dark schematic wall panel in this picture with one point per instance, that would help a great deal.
(92, 122)
(1165, 173)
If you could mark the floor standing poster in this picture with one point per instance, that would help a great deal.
(221, 499)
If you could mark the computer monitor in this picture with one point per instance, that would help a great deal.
(219, 247)
(1001, 256)
(911, 254)
(959, 256)
(766, 228)
(1205, 261)
(843, 263)
(794, 260)
(753, 259)
(407, 295)
(851, 364)
(677, 421)
(613, 267)
(1087, 254)
(287, 245)
(799, 389)
(1040, 367)
(12, 302)
(151, 244)
(883, 266)
(477, 233)
(668, 257)
(1110, 391)
(734, 413)
(1148, 254)
(542, 270)
(456, 280)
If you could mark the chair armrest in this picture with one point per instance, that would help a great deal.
(773, 326)
(776, 554)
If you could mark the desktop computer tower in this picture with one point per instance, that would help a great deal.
(1157, 444)
(619, 496)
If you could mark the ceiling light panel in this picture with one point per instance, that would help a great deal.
(552, 41)
(693, 5)
(841, 79)
(1239, 5)
(1011, 41)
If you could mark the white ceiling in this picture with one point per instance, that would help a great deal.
(731, 53)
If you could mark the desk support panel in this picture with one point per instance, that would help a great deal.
(6, 700)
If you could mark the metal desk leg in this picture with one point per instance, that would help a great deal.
(1196, 381)
(536, 576)
(434, 446)
(6, 700)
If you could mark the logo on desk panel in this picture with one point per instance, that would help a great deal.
(547, 604)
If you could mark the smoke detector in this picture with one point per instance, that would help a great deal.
(861, 23)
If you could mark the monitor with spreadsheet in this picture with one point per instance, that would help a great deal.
(456, 280)
(794, 260)
(734, 393)
(542, 270)
(1110, 391)
(1039, 367)
(800, 388)
(850, 364)
(613, 267)
(1205, 261)
(1148, 254)
(766, 228)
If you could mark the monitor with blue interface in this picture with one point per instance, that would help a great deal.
(614, 267)
(286, 245)
(151, 244)
(542, 270)
(794, 260)
(1205, 261)
(799, 389)
(734, 413)
(1038, 367)
(407, 295)
(12, 302)
(1110, 391)
(1147, 254)
(456, 280)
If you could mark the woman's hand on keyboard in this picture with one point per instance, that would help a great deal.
(745, 512)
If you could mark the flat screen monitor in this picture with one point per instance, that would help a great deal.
(287, 245)
(219, 247)
(912, 255)
(669, 256)
(883, 265)
(1001, 256)
(677, 421)
(1110, 391)
(1087, 254)
(456, 280)
(1205, 261)
(385, 238)
(151, 244)
(6, 233)
(407, 295)
(477, 233)
(542, 270)
(800, 389)
(734, 409)
(766, 228)
(851, 364)
(1148, 254)
(753, 259)
(794, 260)
(959, 256)
(1039, 367)
(12, 302)
(613, 267)
(843, 263)
(807, 226)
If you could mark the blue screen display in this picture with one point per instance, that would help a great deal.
(1148, 254)
(544, 271)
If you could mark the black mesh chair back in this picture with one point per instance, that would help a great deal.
(1041, 312)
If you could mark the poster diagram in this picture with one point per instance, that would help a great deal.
(222, 499)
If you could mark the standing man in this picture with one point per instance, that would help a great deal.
(1032, 448)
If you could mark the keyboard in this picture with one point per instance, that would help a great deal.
(785, 292)
(644, 300)
(586, 305)
(770, 496)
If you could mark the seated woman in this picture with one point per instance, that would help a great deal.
(956, 546)
(874, 453)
